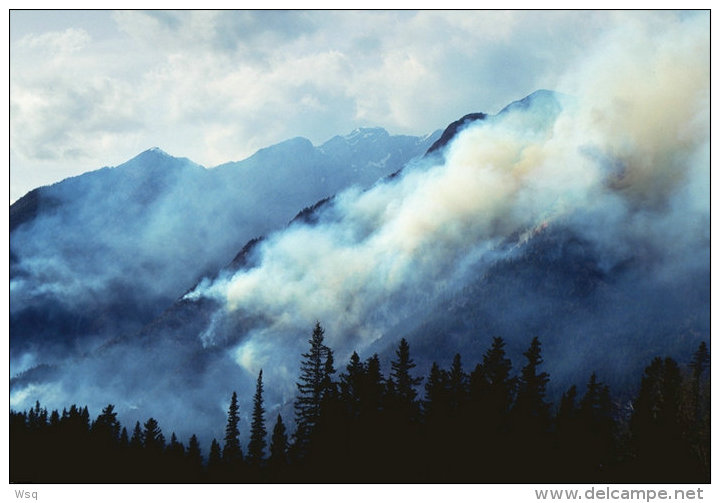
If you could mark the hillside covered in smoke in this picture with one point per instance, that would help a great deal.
(102, 254)
(581, 218)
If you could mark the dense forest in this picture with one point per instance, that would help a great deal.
(362, 425)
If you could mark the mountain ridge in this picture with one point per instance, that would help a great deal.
(577, 279)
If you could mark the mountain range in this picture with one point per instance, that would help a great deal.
(161, 286)
(103, 253)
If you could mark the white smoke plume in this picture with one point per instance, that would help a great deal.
(622, 154)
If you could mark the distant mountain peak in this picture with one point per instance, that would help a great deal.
(154, 151)
(453, 129)
(365, 134)
(541, 97)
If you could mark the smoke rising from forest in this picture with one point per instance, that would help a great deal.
(621, 158)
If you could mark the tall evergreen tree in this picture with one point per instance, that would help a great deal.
(492, 389)
(351, 384)
(136, 442)
(256, 447)
(373, 387)
(106, 427)
(436, 403)
(529, 421)
(312, 387)
(401, 383)
(402, 413)
(597, 428)
(194, 453)
(214, 460)
(278, 445)
(84, 420)
(567, 412)
(232, 453)
(457, 387)
(54, 418)
(152, 436)
(531, 408)
(175, 448)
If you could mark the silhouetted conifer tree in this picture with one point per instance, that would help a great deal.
(277, 462)
(256, 447)
(437, 436)
(401, 382)
(403, 414)
(457, 387)
(312, 386)
(373, 387)
(492, 387)
(232, 453)
(152, 436)
(136, 441)
(215, 462)
(351, 385)
(175, 449)
(106, 427)
(194, 453)
(54, 419)
(436, 403)
(531, 408)
(530, 420)
(596, 432)
(491, 390)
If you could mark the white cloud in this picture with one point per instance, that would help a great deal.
(216, 86)
(56, 44)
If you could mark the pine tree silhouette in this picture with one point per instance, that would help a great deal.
(403, 415)
(531, 408)
(436, 404)
(373, 387)
(492, 387)
(175, 449)
(215, 462)
(232, 456)
(136, 442)
(596, 431)
(256, 447)
(152, 436)
(530, 419)
(457, 387)
(312, 386)
(106, 427)
(277, 463)
(403, 384)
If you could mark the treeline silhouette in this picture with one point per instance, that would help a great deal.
(486, 425)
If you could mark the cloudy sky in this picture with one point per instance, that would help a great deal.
(94, 88)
